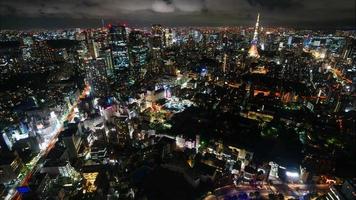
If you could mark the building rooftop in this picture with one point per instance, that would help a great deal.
(69, 131)
(56, 152)
(7, 157)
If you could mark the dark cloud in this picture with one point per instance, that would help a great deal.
(12, 10)
(168, 1)
(180, 12)
(42, 12)
(276, 4)
(89, 3)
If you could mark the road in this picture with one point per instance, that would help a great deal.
(231, 190)
(288, 190)
(14, 195)
(338, 74)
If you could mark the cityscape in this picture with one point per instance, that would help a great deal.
(178, 100)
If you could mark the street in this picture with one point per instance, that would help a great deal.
(35, 161)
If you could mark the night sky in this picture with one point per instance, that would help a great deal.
(84, 13)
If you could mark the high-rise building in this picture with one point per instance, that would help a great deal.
(108, 62)
(71, 140)
(168, 37)
(10, 166)
(350, 49)
(253, 52)
(138, 48)
(97, 75)
(346, 191)
(93, 49)
(157, 43)
(119, 50)
(290, 39)
(157, 36)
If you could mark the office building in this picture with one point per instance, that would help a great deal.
(119, 49)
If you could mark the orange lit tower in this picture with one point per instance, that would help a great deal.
(253, 52)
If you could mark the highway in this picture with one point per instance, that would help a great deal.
(14, 195)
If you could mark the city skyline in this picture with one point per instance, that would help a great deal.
(177, 100)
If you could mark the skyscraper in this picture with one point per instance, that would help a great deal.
(118, 45)
(138, 48)
(97, 75)
(157, 36)
(93, 49)
(168, 37)
(157, 43)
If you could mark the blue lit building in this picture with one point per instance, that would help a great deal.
(138, 48)
(118, 45)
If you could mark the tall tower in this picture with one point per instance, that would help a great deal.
(255, 34)
(253, 52)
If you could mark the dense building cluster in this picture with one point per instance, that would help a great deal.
(177, 113)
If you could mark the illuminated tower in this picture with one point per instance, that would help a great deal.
(253, 52)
